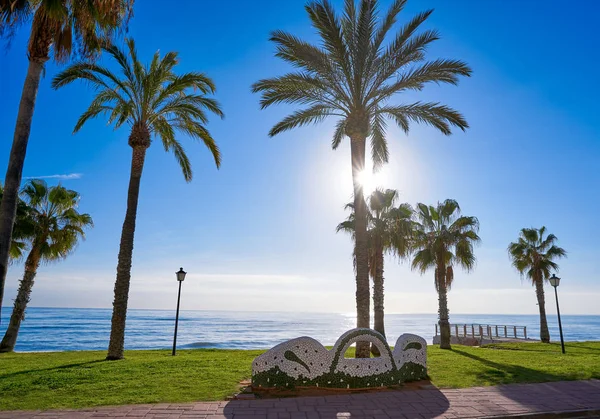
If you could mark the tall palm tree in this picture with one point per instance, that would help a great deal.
(56, 229)
(533, 255)
(58, 29)
(442, 239)
(154, 101)
(388, 231)
(352, 75)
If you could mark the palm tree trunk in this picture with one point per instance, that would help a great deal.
(23, 294)
(443, 308)
(539, 291)
(363, 297)
(14, 172)
(117, 331)
(378, 297)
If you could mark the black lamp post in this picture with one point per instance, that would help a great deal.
(180, 277)
(555, 281)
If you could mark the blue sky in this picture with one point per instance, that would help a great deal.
(259, 234)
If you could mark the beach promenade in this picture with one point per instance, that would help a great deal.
(547, 400)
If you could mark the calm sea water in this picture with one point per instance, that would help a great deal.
(58, 329)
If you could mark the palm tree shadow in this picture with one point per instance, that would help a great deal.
(498, 373)
(552, 392)
(60, 367)
(587, 348)
(554, 345)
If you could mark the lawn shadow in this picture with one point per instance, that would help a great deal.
(424, 403)
(569, 346)
(498, 373)
(540, 390)
(60, 367)
(587, 348)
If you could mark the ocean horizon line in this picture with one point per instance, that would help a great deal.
(301, 312)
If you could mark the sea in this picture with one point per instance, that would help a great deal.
(76, 329)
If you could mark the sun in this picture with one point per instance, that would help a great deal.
(370, 181)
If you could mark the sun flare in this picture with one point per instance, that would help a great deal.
(370, 181)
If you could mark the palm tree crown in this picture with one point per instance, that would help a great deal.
(66, 26)
(444, 238)
(534, 254)
(388, 226)
(152, 100)
(353, 74)
(57, 225)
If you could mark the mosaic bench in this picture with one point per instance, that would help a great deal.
(304, 362)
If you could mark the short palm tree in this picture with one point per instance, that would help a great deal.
(58, 29)
(442, 239)
(353, 75)
(534, 257)
(388, 230)
(57, 227)
(153, 101)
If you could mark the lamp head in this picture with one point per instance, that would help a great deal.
(554, 280)
(180, 274)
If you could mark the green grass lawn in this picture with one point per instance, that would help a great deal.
(82, 379)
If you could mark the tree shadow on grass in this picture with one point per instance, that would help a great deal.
(586, 348)
(555, 346)
(429, 403)
(59, 367)
(541, 390)
(498, 373)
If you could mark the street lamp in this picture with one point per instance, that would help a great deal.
(555, 281)
(180, 277)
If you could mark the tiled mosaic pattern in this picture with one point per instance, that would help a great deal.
(304, 362)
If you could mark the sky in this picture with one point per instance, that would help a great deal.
(259, 234)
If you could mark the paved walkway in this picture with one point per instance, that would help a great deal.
(477, 402)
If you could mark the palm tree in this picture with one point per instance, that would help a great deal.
(388, 231)
(58, 28)
(56, 229)
(442, 239)
(352, 75)
(533, 255)
(153, 101)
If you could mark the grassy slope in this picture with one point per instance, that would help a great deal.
(79, 379)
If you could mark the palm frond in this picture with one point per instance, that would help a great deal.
(434, 114)
(379, 149)
(307, 116)
(438, 71)
(340, 133)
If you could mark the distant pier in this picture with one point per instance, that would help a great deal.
(475, 334)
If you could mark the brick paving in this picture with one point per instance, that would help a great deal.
(476, 402)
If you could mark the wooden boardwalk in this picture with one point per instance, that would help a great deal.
(549, 400)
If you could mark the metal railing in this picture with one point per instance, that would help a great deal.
(487, 331)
